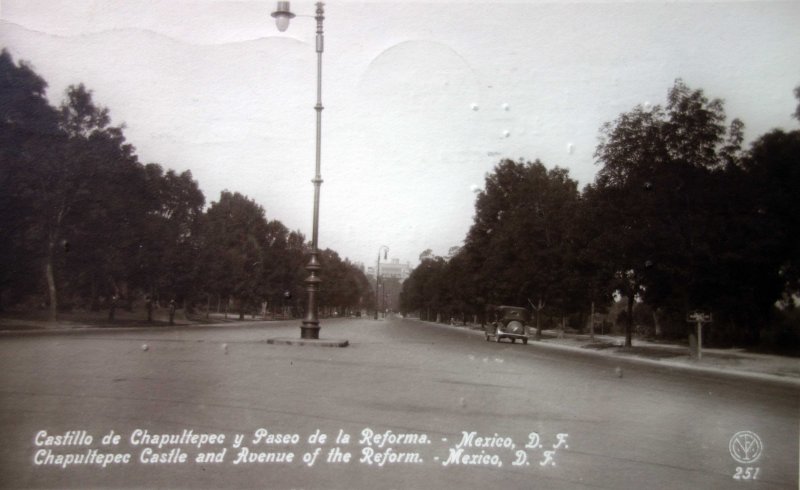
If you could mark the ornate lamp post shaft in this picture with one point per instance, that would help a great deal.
(310, 326)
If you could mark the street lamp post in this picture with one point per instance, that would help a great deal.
(310, 326)
(385, 250)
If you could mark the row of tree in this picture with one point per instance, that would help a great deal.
(84, 223)
(679, 217)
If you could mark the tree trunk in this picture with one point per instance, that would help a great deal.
(51, 280)
(657, 323)
(629, 322)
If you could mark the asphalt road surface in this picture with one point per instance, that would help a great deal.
(406, 405)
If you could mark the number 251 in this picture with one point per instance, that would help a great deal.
(746, 473)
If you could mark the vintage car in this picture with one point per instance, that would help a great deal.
(510, 322)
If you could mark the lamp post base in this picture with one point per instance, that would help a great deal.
(310, 342)
(309, 331)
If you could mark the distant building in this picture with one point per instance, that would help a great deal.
(393, 273)
(392, 269)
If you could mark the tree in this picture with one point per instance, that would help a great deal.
(772, 169)
(423, 290)
(797, 96)
(235, 233)
(426, 254)
(29, 133)
(168, 254)
(461, 290)
(78, 199)
(62, 179)
(520, 246)
(520, 241)
(658, 188)
(283, 263)
(96, 202)
(344, 286)
(84, 219)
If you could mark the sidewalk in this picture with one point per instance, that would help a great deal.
(719, 361)
(124, 320)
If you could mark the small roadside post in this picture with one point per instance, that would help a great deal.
(537, 308)
(699, 318)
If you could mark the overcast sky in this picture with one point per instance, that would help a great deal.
(421, 100)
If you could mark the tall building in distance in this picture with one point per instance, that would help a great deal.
(393, 273)
(392, 269)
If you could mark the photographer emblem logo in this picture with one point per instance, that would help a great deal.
(745, 447)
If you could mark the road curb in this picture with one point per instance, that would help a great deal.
(155, 328)
(633, 359)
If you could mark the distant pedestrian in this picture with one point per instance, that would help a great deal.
(172, 312)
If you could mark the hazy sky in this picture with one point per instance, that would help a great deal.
(421, 99)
